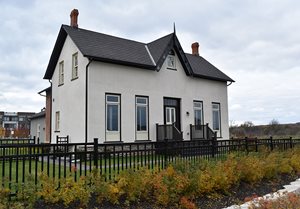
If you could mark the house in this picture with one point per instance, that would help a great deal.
(116, 89)
(37, 126)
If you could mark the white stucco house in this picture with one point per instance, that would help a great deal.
(116, 89)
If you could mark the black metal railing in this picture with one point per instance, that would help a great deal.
(201, 132)
(168, 132)
(79, 159)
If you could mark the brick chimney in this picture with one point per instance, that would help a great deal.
(195, 49)
(74, 15)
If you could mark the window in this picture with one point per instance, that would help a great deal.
(61, 73)
(75, 66)
(141, 113)
(112, 113)
(216, 116)
(57, 121)
(171, 60)
(198, 113)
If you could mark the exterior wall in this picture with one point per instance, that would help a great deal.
(69, 98)
(129, 82)
(37, 128)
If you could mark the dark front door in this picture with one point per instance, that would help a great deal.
(172, 112)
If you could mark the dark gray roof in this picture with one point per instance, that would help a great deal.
(38, 115)
(106, 48)
(204, 69)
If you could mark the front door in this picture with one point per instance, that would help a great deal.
(172, 112)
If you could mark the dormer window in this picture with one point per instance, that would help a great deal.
(171, 60)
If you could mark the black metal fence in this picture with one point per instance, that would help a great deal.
(78, 159)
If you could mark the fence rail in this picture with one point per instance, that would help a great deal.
(78, 159)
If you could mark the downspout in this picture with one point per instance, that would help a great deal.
(86, 99)
(50, 112)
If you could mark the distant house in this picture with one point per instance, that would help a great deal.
(38, 126)
(120, 90)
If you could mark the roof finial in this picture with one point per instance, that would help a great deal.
(174, 28)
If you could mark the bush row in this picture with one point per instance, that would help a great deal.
(178, 185)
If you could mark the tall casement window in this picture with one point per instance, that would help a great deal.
(216, 114)
(75, 66)
(57, 121)
(61, 73)
(171, 60)
(112, 117)
(198, 113)
(141, 108)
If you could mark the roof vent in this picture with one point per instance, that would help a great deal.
(74, 16)
(195, 48)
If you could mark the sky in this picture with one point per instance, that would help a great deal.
(255, 42)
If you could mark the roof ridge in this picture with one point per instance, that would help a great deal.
(105, 34)
(160, 38)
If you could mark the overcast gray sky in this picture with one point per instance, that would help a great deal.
(255, 42)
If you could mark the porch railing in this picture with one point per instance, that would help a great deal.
(168, 132)
(201, 132)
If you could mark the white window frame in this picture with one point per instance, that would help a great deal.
(172, 115)
(113, 135)
(216, 107)
(57, 121)
(61, 73)
(75, 66)
(196, 108)
(142, 134)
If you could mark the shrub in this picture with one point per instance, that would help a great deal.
(49, 189)
(169, 186)
(71, 191)
(251, 169)
(135, 184)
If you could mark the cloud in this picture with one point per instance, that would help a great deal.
(255, 42)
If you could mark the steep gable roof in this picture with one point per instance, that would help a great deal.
(106, 48)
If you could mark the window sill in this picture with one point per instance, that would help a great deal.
(74, 78)
(56, 131)
(169, 68)
(142, 141)
(60, 84)
(113, 142)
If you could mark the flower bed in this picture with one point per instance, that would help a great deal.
(209, 184)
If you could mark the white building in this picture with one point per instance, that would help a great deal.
(116, 89)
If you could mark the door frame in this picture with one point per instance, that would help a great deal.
(177, 110)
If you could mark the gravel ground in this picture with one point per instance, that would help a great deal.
(237, 195)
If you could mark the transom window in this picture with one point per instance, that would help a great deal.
(171, 60)
(216, 116)
(61, 73)
(75, 65)
(198, 113)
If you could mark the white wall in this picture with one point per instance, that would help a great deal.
(69, 98)
(129, 82)
(34, 123)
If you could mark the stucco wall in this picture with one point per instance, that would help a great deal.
(69, 98)
(129, 82)
(37, 128)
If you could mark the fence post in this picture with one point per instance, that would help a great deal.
(256, 146)
(156, 131)
(33, 140)
(246, 145)
(38, 140)
(207, 131)
(191, 138)
(96, 152)
(166, 153)
(271, 143)
(291, 142)
(214, 140)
